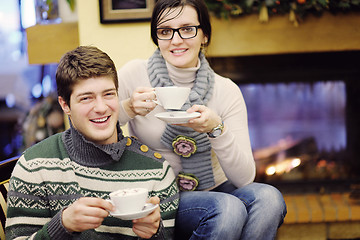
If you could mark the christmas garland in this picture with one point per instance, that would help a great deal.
(297, 9)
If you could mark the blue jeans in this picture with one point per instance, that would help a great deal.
(252, 212)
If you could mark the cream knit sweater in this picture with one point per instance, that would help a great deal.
(231, 152)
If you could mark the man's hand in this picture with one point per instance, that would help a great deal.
(86, 213)
(147, 226)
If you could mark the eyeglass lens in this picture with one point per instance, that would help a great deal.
(184, 32)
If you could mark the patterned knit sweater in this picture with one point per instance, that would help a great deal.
(46, 180)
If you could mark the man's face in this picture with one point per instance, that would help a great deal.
(94, 109)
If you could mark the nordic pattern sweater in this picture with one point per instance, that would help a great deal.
(45, 181)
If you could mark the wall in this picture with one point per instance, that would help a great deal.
(234, 37)
(122, 41)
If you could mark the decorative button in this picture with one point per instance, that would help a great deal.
(128, 143)
(144, 148)
(157, 155)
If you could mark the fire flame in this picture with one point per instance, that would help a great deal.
(283, 166)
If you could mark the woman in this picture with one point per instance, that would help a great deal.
(226, 204)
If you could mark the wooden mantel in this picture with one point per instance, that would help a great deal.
(246, 36)
(47, 43)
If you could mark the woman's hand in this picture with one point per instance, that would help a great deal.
(206, 122)
(147, 226)
(140, 102)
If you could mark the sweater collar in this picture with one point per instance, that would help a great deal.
(89, 154)
(181, 76)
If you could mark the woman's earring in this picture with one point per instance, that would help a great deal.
(203, 46)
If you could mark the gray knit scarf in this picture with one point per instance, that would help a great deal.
(89, 154)
(198, 163)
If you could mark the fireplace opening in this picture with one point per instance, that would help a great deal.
(303, 112)
(298, 130)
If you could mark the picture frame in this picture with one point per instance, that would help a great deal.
(114, 11)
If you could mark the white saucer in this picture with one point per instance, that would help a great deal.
(148, 208)
(176, 117)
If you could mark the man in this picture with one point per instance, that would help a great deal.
(59, 187)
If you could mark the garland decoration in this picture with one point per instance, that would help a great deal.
(297, 9)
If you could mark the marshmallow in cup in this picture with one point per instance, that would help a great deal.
(128, 200)
(172, 97)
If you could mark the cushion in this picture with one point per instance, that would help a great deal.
(4, 186)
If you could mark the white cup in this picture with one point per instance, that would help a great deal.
(129, 200)
(171, 97)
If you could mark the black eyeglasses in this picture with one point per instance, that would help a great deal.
(184, 32)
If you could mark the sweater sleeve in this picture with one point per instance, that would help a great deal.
(132, 75)
(27, 215)
(166, 189)
(233, 147)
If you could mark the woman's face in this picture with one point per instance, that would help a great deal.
(182, 53)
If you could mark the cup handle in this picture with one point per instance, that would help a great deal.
(157, 101)
(109, 200)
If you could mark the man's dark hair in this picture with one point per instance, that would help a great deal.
(82, 63)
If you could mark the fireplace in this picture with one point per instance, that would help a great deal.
(304, 117)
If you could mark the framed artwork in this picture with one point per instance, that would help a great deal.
(112, 11)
